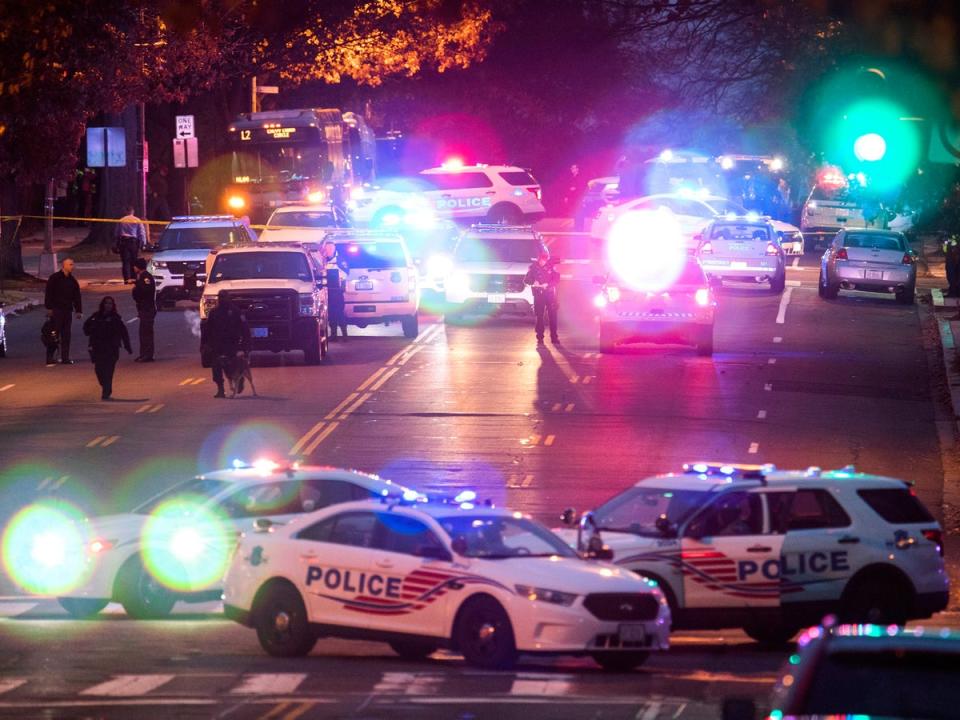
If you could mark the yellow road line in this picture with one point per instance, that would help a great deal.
(406, 358)
(360, 401)
(299, 710)
(275, 711)
(569, 408)
(110, 441)
(347, 400)
(365, 383)
(321, 437)
(306, 437)
(550, 439)
(187, 381)
(157, 408)
(386, 376)
(96, 441)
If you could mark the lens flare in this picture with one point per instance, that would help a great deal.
(43, 548)
(186, 545)
(646, 250)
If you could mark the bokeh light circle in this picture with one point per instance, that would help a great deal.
(187, 544)
(44, 548)
(646, 249)
(870, 147)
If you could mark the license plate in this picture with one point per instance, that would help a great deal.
(363, 285)
(497, 298)
(840, 219)
(738, 264)
(874, 275)
(260, 332)
(633, 634)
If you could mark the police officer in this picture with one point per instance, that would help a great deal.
(225, 334)
(951, 251)
(336, 272)
(131, 239)
(543, 277)
(145, 297)
(62, 295)
(107, 332)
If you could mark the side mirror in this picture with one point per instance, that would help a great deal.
(432, 552)
(568, 516)
(738, 709)
(459, 546)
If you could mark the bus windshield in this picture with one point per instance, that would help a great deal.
(273, 163)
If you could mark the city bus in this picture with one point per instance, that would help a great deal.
(306, 155)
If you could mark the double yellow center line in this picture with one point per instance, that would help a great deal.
(363, 392)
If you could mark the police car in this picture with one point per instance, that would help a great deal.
(743, 250)
(772, 551)
(488, 583)
(178, 266)
(175, 545)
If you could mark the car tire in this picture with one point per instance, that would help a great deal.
(411, 326)
(280, 619)
(313, 350)
(880, 600)
(484, 635)
(826, 290)
(620, 662)
(704, 342)
(413, 649)
(141, 594)
(81, 608)
(771, 636)
(778, 282)
(505, 213)
(907, 295)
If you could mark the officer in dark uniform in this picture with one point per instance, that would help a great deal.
(336, 272)
(145, 296)
(544, 279)
(951, 252)
(61, 297)
(224, 335)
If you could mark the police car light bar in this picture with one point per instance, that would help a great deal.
(729, 470)
(203, 218)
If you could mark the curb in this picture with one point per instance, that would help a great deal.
(15, 308)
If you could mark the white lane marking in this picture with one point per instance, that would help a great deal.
(7, 387)
(796, 261)
(754, 447)
(128, 685)
(539, 687)
(8, 684)
(784, 301)
(794, 283)
(778, 339)
(321, 437)
(761, 415)
(269, 684)
(649, 711)
(768, 387)
(937, 295)
(772, 361)
(400, 683)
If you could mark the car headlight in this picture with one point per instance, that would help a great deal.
(458, 283)
(546, 595)
(157, 264)
(439, 265)
(209, 303)
(306, 304)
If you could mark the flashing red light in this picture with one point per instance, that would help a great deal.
(353, 249)
(702, 296)
(934, 536)
(842, 254)
(831, 178)
(453, 164)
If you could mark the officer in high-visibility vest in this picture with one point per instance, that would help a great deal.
(951, 252)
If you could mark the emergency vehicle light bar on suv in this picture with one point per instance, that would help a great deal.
(729, 470)
(204, 218)
(493, 228)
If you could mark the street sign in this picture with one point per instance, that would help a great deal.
(185, 154)
(185, 126)
(106, 147)
(116, 147)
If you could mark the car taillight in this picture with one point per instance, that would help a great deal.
(935, 536)
(706, 248)
(772, 249)
(842, 254)
(907, 259)
(534, 191)
(702, 296)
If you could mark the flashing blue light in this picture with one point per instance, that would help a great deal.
(731, 215)
(752, 216)
(465, 496)
(238, 463)
(384, 492)
(700, 468)
(410, 495)
(727, 470)
(519, 192)
(466, 506)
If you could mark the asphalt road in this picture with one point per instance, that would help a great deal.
(794, 381)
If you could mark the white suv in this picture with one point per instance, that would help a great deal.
(488, 267)
(279, 288)
(772, 551)
(178, 265)
(382, 279)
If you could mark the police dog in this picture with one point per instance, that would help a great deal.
(237, 371)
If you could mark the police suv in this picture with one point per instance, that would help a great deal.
(175, 546)
(486, 582)
(743, 250)
(178, 266)
(772, 551)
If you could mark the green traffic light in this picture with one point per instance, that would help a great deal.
(870, 147)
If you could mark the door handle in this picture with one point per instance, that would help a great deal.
(848, 540)
(760, 548)
(384, 563)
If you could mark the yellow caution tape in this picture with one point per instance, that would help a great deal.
(81, 219)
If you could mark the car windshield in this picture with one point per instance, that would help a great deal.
(501, 537)
(873, 241)
(833, 194)
(637, 510)
(198, 237)
(372, 256)
(903, 683)
(203, 488)
(316, 219)
(260, 265)
(497, 249)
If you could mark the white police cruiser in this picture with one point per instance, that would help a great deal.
(772, 551)
(486, 582)
(302, 222)
(175, 546)
(178, 265)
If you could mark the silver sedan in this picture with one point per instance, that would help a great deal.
(871, 260)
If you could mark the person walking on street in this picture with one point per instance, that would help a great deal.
(145, 296)
(107, 332)
(951, 251)
(131, 239)
(336, 271)
(61, 298)
(543, 277)
(225, 334)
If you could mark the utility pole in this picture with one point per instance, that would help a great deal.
(253, 94)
